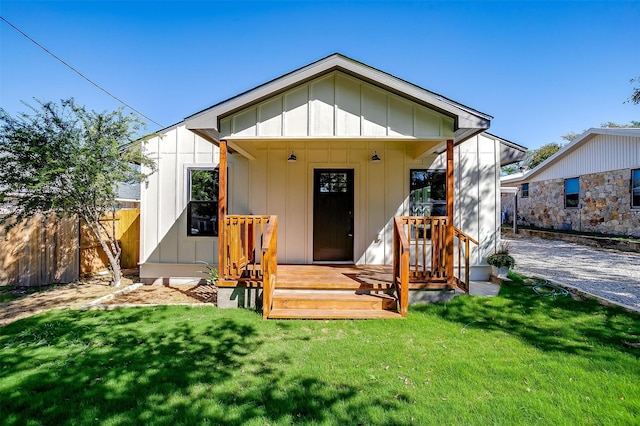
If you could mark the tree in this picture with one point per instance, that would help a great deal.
(632, 125)
(510, 169)
(537, 156)
(66, 160)
(571, 136)
(635, 94)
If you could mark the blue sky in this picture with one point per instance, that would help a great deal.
(542, 69)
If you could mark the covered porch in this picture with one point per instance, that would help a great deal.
(429, 253)
(338, 162)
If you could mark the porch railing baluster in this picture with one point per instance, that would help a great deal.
(422, 234)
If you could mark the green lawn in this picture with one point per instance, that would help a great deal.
(513, 359)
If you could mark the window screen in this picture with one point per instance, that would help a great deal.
(202, 209)
(571, 192)
(428, 193)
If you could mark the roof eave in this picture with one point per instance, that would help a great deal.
(469, 122)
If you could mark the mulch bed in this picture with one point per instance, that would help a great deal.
(166, 295)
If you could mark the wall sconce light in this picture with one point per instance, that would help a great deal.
(375, 158)
(292, 158)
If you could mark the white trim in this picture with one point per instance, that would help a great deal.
(566, 150)
(469, 121)
(509, 189)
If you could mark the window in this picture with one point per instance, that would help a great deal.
(428, 193)
(571, 192)
(524, 192)
(202, 209)
(635, 188)
(332, 182)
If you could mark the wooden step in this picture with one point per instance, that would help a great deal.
(332, 301)
(297, 285)
(332, 314)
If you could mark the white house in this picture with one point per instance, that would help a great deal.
(591, 185)
(336, 150)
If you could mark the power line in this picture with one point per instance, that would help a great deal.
(78, 72)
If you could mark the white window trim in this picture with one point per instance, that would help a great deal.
(187, 193)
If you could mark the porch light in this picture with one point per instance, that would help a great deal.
(292, 158)
(375, 158)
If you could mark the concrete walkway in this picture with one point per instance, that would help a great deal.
(604, 273)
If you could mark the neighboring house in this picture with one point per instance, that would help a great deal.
(590, 185)
(336, 150)
(128, 196)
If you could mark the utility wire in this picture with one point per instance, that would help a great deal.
(78, 72)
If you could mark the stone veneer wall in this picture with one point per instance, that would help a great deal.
(605, 199)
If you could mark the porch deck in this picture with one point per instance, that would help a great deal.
(423, 259)
(335, 277)
(330, 292)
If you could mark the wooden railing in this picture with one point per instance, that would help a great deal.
(401, 253)
(463, 240)
(269, 261)
(426, 239)
(420, 259)
(249, 253)
(243, 238)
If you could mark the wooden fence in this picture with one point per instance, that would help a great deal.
(93, 257)
(43, 251)
(40, 251)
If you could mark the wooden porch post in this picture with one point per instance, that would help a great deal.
(449, 230)
(222, 203)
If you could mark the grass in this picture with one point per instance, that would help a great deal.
(514, 359)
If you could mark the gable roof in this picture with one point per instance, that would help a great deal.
(510, 152)
(468, 121)
(567, 150)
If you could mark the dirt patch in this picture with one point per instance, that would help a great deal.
(33, 300)
(166, 295)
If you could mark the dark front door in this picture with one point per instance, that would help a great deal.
(333, 215)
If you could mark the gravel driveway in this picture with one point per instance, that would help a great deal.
(605, 273)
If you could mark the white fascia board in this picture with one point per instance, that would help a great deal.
(209, 117)
(514, 178)
(565, 150)
(509, 189)
(469, 122)
(576, 143)
(633, 132)
(466, 117)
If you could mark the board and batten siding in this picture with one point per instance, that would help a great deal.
(270, 184)
(164, 244)
(381, 192)
(599, 154)
(332, 122)
(477, 197)
(337, 106)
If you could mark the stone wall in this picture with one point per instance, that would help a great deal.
(606, 205)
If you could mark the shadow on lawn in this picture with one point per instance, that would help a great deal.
(552, 324)
(157, 366)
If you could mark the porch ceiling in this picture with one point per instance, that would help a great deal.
(248, 148)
